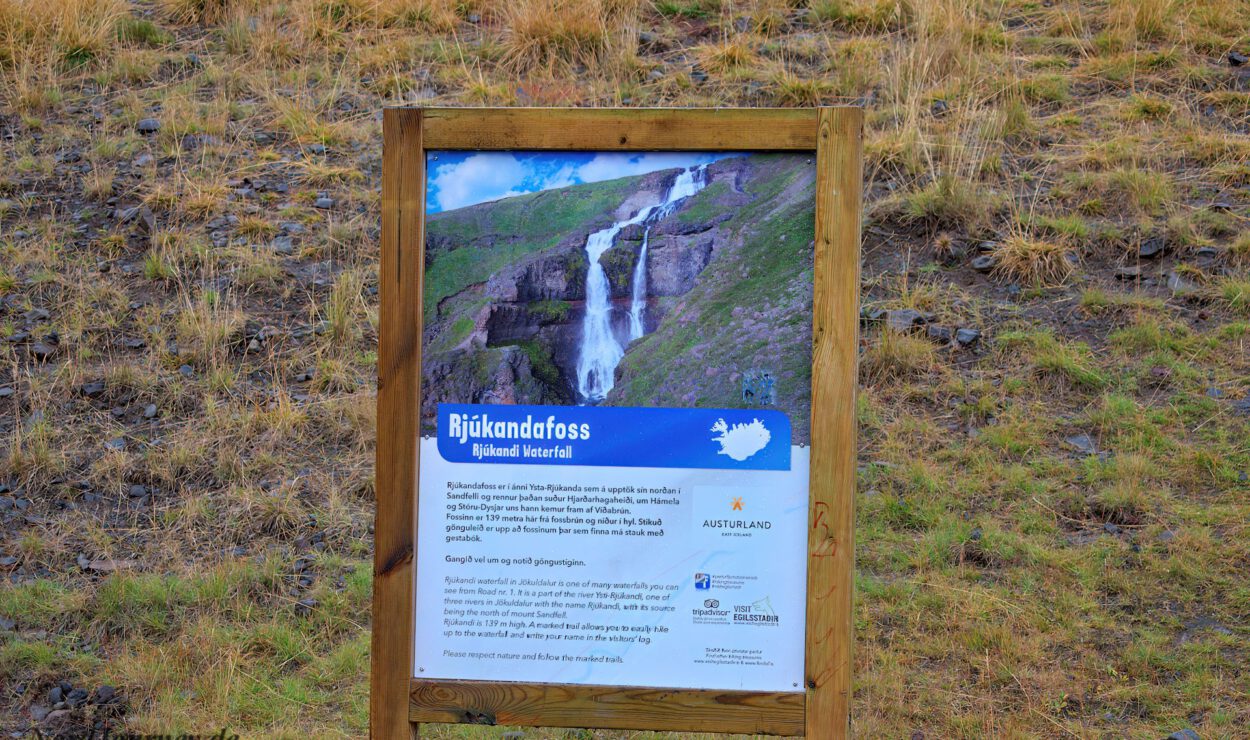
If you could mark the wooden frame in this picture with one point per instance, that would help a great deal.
(397, 700)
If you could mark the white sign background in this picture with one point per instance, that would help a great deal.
(745, 631)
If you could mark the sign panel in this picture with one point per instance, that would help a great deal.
(614, 470)
(616, 419)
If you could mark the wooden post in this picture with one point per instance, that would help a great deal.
(835, 347)
(399, 406)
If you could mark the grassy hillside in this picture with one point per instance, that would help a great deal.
(1051, 520)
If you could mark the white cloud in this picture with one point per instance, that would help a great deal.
(494, 175)
(477, 179)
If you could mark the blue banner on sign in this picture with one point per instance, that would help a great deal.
(734, 439)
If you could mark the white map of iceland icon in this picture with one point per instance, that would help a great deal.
(741, 440)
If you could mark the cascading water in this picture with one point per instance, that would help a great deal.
(600, 350)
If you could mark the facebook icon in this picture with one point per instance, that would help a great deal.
(702, 581)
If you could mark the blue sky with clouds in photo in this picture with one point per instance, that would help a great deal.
(459, 179)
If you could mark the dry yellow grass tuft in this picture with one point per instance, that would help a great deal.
(1032, 261)
(546, 36)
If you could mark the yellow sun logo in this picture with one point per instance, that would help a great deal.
(737, 503)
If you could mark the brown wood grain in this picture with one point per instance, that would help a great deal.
(399, 401)
(694, 129)
(607, 707)
(835, 348)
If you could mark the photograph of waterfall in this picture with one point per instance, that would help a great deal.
(627, 279)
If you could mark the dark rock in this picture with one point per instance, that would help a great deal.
(282, 245)
(6, 391)
(77, 697)
(985, 247)
(906, 319)
(938, 333)
(105, 694)
(93, 389)
(41, 351)
(291, 227)
(36, 315)
(186, 371)
(1111, 528)
(975, 535)
(38, 712)
(7, 502)
(872, 314)
(1237, 59)
(1152, 247)
(262, 138)
(647, 38)
(149, 411)
(148, 126)
(141, 216)
(324, 202)
(939, 108)
(144, 160)
(317, 148)
(8, 561)
(698, 76)
(117, 412)
(134, 343)
(1128, 272)
(1242, 406)
(984, 263)
(1082, 443)
(138, 490)
(305, 376)
(56, 695)
(116, 443)
(967, 337)
(7, 624)
(303, 607)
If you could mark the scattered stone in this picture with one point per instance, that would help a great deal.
(317, 148)
(262, 138)
(305, 376)
(871, 314)
(1214, 392)
(1166, 536)
(656, 74)
(1128, 272)
(144, 160)
(1242, 406)
(303, 607)
(41, 351)
(1237, 59)
(138, 490)
(116, 444)
(1151, 248)
(984, 263)
(967, 337)
(39, 713)
(975, 536)
(6, 391)
(7, 624)
(324, 202)
(939, 108)
(148, 126)
(474, 18)
(291, 227)
(1082, 443)
(186, 371)
(109, 565)
(134, 343)
(1180, 286)
(282, 245)
(906, 319)
(141, 216)
(1185, 734)
(77, 697)
(647, 38)
(105, 694)
(698, 76)
(1111, 528)
(93, 389)
(117, 412)
(938, 333)
(36, 315)
(149, 411)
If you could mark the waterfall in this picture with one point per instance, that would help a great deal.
(600, 350)
(639, 302)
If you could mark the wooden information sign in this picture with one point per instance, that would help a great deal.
(615, 459)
